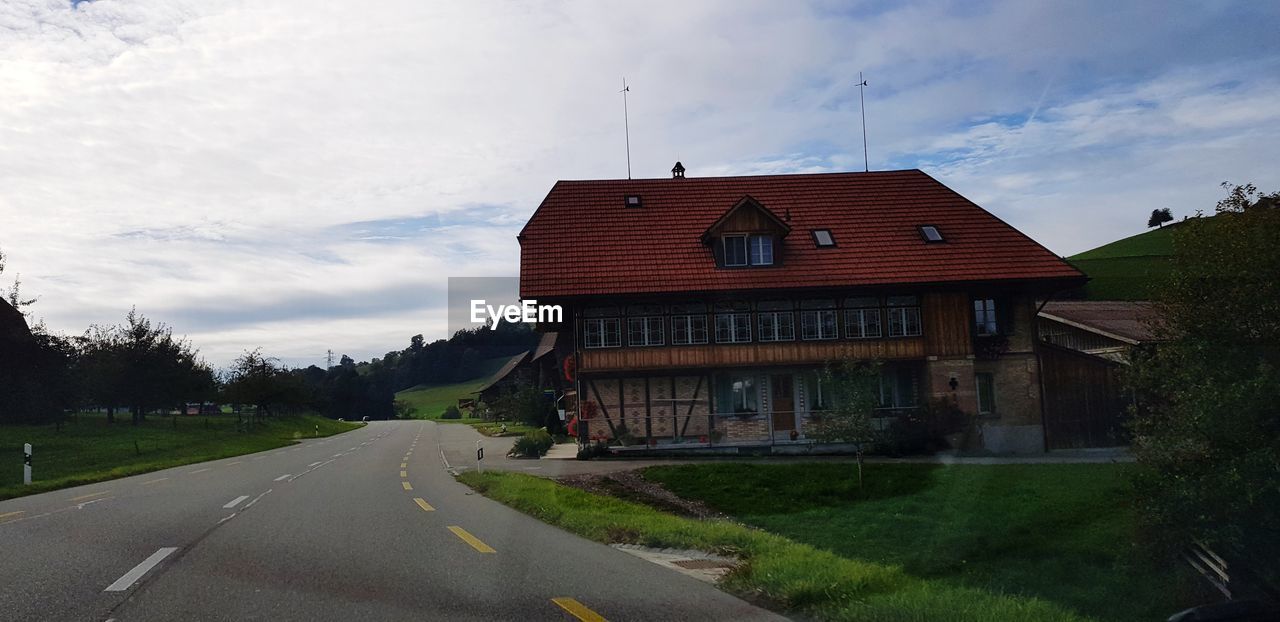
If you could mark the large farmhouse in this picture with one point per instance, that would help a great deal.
(702, 310)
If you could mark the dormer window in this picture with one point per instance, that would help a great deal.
(747, 250)
(931, 234)
(761, 250)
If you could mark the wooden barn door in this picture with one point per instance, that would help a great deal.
(1084, 404)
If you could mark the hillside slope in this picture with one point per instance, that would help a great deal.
(430, 400)
(1132, 268)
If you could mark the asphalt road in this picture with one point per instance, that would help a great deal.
(366, 525)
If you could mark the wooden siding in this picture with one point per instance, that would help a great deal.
(747, 219)
(1084, 401)
(946, 319)
(745, 355)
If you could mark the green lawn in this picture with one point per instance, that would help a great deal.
(431, 400)
(89, 450)
(1059, 533)
(799, 578)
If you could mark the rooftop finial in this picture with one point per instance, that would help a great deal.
(677, 171)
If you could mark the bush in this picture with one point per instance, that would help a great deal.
(451, 412)
(534, 444)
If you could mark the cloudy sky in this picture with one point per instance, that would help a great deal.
(303, 175)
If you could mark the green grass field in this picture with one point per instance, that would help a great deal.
(1130, 269)
(1062, 534)
(802, 579)
(1153, 242)
(431, 400)
(88, 450)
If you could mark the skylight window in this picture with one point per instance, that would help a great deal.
(633, 200)
(822, 238)
(931, 234)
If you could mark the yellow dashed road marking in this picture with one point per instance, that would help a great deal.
(422, 503)
(90, 495)
(470, 539)
(153, 481)
(404, 464)
(407, 485)
(577, 609)
(11, 514)
(404, 474)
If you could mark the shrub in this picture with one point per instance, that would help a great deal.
(534, 444)
(451, 412)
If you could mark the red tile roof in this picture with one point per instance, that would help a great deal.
(584, 241)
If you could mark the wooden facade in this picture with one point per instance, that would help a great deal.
(749, 354)
(1084, 401)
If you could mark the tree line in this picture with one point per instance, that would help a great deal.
(139, 367)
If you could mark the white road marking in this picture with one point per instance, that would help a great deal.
(227, 518)
(337, 455)
(131, 577)
(234, 502)
(200, 471)
(282, 477)
(255, 500)
(314, 463)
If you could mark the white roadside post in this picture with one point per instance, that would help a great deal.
(479, 457)
(26, 463)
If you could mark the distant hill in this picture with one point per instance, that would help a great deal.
(1128, 269)
(431, 400)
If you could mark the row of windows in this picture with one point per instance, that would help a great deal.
(769, 326)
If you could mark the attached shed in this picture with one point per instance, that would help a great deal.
(1084, 346)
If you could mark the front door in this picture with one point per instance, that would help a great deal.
(782, 402)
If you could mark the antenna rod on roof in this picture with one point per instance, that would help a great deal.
(626, 123)
(866, 166)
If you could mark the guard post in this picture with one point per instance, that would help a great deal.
(26, 463)
(479, 457)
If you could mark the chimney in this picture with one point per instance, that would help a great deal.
(677, 172)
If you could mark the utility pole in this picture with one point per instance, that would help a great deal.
(862, 84)
(626, 123)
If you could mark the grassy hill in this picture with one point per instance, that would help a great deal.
(1128, 269)
(431, 400)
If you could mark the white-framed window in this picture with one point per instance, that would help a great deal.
(984, 316)
(737, 394)
(817, 396)
(818, 324)
(761, 250)
(777, 325)
(644, 331)
(862, 318)
(688, 329)
(986, 385)
(604, 332)
(741, 250)
(735, 250)
(733, 327)
(904, 316)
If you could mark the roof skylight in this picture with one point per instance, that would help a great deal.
(931, 234)
(822, 238)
